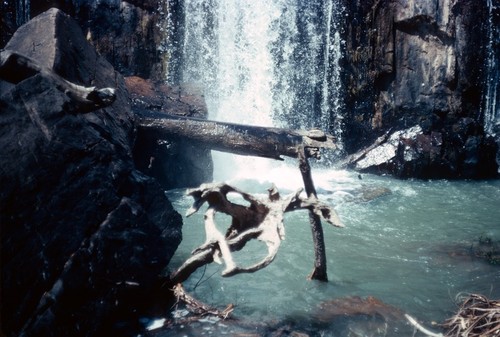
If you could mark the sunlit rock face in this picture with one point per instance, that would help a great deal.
(459, 151)
(419, 63)
(84, 234)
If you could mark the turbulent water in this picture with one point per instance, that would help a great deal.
(412, 246)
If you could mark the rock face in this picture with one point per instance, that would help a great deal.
(419, 64)
(175, 163)
(84, 234)
(407, 64)
(134, 37)
(131, 35)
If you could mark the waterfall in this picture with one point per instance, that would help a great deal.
(22, 12)
(491, 113)
(265, 62)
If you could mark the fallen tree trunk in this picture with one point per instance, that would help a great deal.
(239, 139)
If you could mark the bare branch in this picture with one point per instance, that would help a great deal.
(200, 308)
(261, 220)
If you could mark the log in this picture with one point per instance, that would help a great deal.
(15, 67)
(239, 139)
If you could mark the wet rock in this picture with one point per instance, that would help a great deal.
(356, 316)
(84, 233)
(131, 35)
(461, 150)
(174, 163)
(420, 63)
(484, 248)
(368, 193)
(355, 305)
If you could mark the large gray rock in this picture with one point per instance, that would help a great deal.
(85, 235)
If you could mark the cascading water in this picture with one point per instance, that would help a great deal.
(22, 12)
(491, 96)
(491, 108)
(267, 63)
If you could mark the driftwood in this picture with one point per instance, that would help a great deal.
(198, 308)
(421, 328)
(261, 220)
(477, 316)
(251, 141)
(264, 219)
(236, 138)
(15, 67)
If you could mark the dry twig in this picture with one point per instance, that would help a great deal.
(477, 316)
(198, 308)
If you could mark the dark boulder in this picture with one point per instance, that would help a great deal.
(461, 150)
(85, 235)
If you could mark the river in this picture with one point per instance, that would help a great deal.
(408, 243)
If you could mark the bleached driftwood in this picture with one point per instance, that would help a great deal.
(261, 220)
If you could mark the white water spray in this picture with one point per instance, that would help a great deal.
(266, 63)
(491, 108)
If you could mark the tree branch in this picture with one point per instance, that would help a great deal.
(319, 271)
(261, 220)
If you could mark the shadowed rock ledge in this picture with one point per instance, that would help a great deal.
(84, 234)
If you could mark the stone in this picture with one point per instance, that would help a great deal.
(413, 63)
(460, 151)
(85, 235)
(132, 35)
(174, 163)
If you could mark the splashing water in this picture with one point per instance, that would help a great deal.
(266, 63)
(275, 63)
(410, 244)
